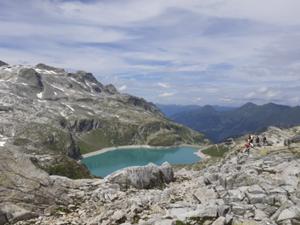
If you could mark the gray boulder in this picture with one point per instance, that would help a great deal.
(14, 213)
(3, 218)
(143, 177)
(25, 189)
(290, 213)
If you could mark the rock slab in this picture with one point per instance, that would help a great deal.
(143, 177)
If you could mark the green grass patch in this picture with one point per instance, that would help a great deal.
(102, 138)
(216, 150)
(68, 168)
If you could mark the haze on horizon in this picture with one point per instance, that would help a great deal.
(217, 52)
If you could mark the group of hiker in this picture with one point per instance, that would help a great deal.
(254, 141)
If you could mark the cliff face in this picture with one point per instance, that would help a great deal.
(262, 188)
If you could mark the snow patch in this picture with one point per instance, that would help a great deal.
(69, 107)
(8, 69)
(76, 81)
(40, 95)
(45, 71)
(62, 90)
(90, 86)
(2, 140)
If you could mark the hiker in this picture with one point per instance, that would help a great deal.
(248, 145)
(257, 141)
(247, 148)
(265, 141)
(251, 140)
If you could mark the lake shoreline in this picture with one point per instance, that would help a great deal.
(198, 152)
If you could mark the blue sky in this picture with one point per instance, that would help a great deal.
(224, 52)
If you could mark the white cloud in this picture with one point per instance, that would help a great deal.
(183, 44)
(166, 94)
(226, 100)
(163, 85)
(122, 88)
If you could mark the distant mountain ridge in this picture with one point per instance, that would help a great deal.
(219, 125)
(173, 109)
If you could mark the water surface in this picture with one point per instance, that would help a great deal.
(108, 162)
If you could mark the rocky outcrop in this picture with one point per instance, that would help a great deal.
(111, 89)
(143, 177)
(295, 139)
(31, 78)
(25, 190)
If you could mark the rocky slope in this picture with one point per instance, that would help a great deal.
(54, 115)
(262, 188)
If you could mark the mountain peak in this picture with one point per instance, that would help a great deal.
(84, 76)
(274, 105)
(249, 105)
(208, 108)
(42, 66)
(3, 63)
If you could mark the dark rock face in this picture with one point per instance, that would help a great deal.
(84, 76)
(32, 78)
(3, 218)
(84, 125)
(111, 89)
(135, 101)
(3, 63)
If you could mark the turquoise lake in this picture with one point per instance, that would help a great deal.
(108, 162)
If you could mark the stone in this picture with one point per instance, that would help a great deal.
(256, 198)
(255, 189)
(118, 216)
(204, 194)
(284, 206)
(259, 215)
(289, 213)
(16, 213)
(164, 222)
(234, 196)
(143, 177)
(240, 208)
(220, 221)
